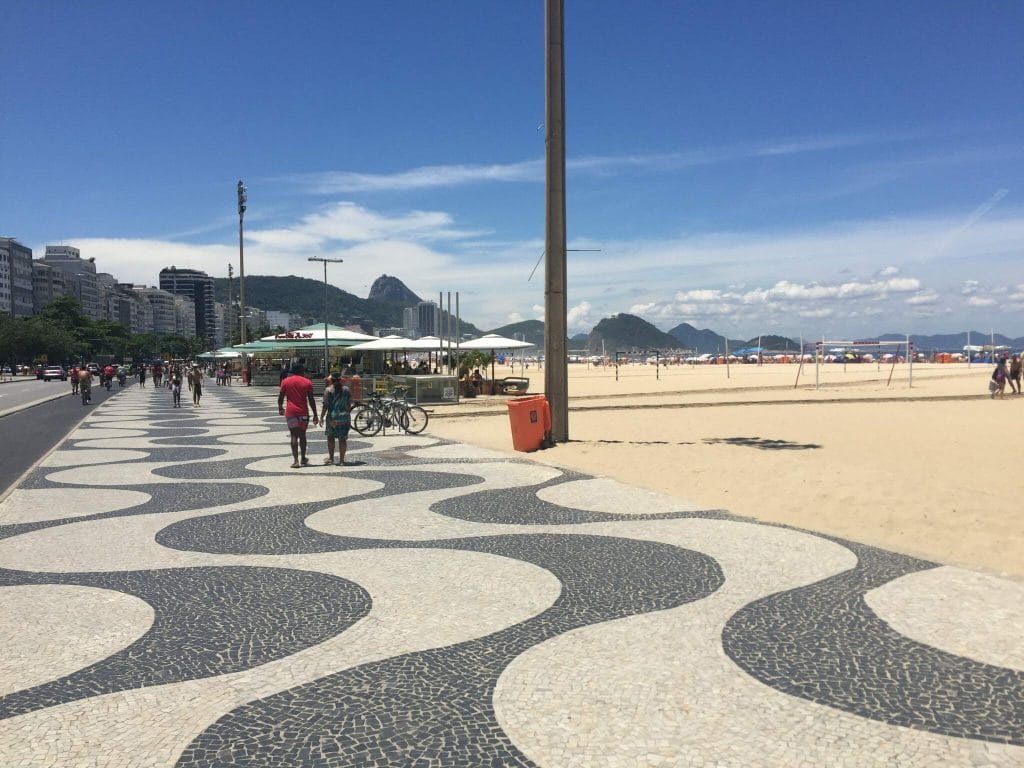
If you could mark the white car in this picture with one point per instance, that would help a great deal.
(54, 372)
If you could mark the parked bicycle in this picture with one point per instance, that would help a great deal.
(377, 413)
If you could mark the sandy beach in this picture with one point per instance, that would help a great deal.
(853, 451)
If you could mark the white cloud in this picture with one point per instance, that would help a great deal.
(749, 282)
(441, 176)
(426, 177)
(923, 298)
(970, 287)
(579, 318)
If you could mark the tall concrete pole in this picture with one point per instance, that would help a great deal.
(556, 374)
(242, 199)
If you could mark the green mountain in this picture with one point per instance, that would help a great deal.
(305, 297)
(704, 340)
(628, 333)
(773, 343)
(531, 330)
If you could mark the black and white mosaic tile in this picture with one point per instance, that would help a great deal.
(279, 597)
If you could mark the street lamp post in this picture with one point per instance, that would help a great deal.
(241, 270)
(325, 262)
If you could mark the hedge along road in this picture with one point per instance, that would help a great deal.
(35, 416)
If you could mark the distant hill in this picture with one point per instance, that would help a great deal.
(389, 296)
(702, 341)
(531, 330)
(953, 342)
(391, 290)
(305, 297)
(628, 333)
(773, 343)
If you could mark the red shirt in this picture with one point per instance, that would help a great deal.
(297, 390)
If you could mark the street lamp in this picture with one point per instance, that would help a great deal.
(241, 273)
(325, 261)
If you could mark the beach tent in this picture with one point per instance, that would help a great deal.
(402, 344)
(224, 353)
(492, 342)
(307, 341)
(313, 335)
(255, 346)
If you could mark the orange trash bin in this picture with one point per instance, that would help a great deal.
(530, 419)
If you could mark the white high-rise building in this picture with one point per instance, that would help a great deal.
(15, 278)
(70, 259)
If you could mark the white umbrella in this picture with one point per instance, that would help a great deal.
(493, 341)
(225, 353)
(385, 344)
(312, 334)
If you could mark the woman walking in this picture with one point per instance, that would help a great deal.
(335, 414)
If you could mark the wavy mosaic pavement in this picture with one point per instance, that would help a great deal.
(173, 594)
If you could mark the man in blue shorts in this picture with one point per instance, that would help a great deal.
(298, 391)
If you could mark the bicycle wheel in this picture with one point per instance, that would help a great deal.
(415, 419)
(366, 421)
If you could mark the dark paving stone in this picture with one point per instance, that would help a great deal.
(521, 506)
(282, 530)
(164, 497)
(435, 707)
(209, 621)
(153, 455)
(823, 643)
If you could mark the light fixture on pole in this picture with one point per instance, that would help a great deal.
(241, 272)
(327, 369)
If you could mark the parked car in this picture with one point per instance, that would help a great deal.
(54, 372)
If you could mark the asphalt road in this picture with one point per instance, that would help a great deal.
(30, 431)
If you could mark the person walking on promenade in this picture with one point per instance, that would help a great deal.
(335, 415)
(196, 378)
(142, 375)
(1015, 373)
(298, 391)
(176, 388)
(74, 380)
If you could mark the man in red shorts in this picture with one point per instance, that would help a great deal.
(298, 391)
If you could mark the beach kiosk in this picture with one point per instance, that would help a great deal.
(274, 354)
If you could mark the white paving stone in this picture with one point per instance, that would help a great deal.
(51, 630)
(614, 689)
(421, 599)
(605, 495)
(963, 612)
(38, 504)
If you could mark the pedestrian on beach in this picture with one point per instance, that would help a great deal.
(196, 378)
(298, 391)
(335, 415)
(1015, 373)
(998, 383)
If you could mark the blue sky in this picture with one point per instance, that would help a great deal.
(825, 169)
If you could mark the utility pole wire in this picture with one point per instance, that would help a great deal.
(570, 250)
